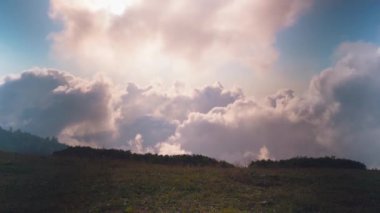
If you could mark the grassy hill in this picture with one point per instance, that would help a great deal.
(85, 184)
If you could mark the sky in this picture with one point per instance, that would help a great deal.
(232, 79)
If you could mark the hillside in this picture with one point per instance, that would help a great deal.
(85, 184)
(26, 143)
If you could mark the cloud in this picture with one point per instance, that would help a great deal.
(99, 113)
(156, 114)
(263, 153)
(170, 149)
(141, 101)
(49, 103)
(352, 86)
(337, 115)
(137, 146)
(172, 37)
(247, 126)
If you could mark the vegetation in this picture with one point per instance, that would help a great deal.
(104, 184)
(184, 160)
(22, 142)
(305, 162)
(82, 179)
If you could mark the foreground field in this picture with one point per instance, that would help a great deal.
(69, 184)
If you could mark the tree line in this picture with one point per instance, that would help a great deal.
(183, 160)
(308, 162)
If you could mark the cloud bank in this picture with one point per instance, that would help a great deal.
(96, 112)
(337, 115)
(170, 36)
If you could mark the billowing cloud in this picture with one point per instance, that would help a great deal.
(352, 87)
(156, 114)
(99, 113)
(170, 37)
(47, 102)
(244, 127)
(337, 115)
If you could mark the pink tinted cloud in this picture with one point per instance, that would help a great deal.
(203, 34)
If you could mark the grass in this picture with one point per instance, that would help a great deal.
(69, 184)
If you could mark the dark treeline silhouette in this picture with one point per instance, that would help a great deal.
(26, 143)
(183, 160)
(306, 162)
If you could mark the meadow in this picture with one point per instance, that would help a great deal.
(73, 184)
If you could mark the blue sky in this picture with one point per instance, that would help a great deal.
(311, 42)
(24, 28)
